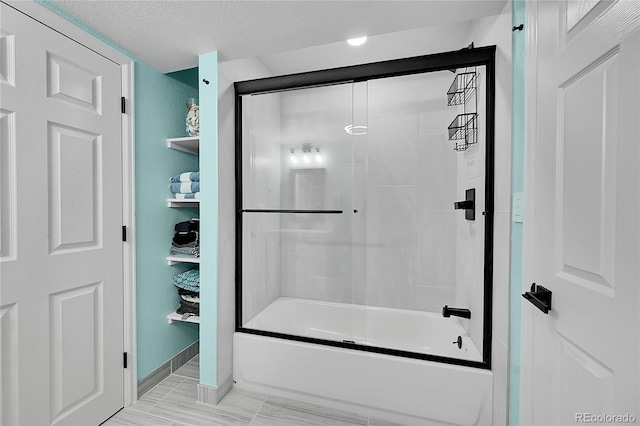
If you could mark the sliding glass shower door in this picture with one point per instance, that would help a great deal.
(365, 208)
(297, 210)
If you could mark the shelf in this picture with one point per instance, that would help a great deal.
(174, 260)
(462, 88)
(172, 202)
(189, 144)
(173, 317)
(463, 129)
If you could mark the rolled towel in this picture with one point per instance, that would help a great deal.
(185, 187)
(181, 238)
(186, 177)
(188, 280)
(188, 225)
(191, 196)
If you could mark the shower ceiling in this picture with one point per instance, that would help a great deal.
(169, 35)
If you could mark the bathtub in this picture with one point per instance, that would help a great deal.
(404, 390)
(405, 330)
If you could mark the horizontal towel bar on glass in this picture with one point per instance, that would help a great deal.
(292, 211)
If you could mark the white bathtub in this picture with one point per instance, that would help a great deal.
(413, 331)
(400, 389)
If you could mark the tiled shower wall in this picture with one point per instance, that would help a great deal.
(470, 238)
(316, 259)
(411, 187)
(402, 247)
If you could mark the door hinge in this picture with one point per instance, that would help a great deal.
(124, 359)
(124, 232)
(123, 104)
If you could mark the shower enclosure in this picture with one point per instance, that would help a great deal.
(365, 207)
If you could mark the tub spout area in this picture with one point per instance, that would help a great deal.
(456, 312)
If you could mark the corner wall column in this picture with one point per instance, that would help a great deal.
(208, 391)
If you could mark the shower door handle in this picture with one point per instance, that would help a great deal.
(291, 211)
(468, 205)
(540, 297)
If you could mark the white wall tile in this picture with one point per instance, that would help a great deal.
(435, 115)
(432, 299)
(226, 128)
(398, 139)
(360, 279)
(470, 251)
(436, 262)
(398, 222)
(395, 287)
(437, 177)
(329, 290)
(396, 93)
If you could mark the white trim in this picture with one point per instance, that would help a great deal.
(70, 30)
(526, 379)
(129, 247)
(212, 395)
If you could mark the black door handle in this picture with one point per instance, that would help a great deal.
(468, 204)
(540, 297)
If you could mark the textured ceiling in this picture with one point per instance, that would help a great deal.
(169, 35)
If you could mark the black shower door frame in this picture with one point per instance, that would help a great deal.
(468, 57)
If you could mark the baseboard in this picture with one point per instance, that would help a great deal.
(167, 368)
(185, 356)
(158, 375)
(213, 395)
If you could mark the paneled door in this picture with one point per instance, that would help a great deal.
(61, 299)
(582, 358)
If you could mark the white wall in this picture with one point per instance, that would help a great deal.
(489, 31)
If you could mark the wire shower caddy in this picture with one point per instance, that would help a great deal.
(464, 127)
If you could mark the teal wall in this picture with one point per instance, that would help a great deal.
(188, 77)
(518, 162)
(160, 109)
(208, 70)
(160, 114)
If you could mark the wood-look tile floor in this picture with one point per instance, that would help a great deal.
(173, 402)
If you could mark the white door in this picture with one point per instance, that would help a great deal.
(581, 360)
(61, 299)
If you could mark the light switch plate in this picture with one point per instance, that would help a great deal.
(517, 209)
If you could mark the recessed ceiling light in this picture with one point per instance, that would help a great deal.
(355, 130)
(357, 41)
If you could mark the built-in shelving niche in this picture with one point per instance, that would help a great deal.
(190, 145)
